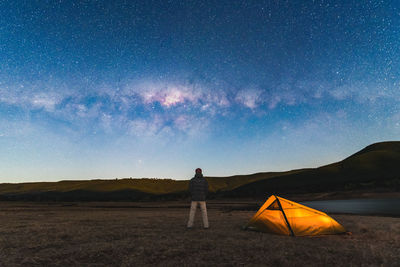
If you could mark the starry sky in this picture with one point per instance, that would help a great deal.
(106, 89)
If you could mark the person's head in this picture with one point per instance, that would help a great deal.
(199, 171)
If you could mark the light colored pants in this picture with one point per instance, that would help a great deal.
(192, 213)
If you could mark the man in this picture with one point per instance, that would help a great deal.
(198, 187)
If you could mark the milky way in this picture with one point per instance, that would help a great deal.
(97, 89)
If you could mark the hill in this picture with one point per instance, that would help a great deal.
(377, 165)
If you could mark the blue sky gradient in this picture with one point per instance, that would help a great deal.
(106, 89)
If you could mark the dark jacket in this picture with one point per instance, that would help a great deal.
(198, 187)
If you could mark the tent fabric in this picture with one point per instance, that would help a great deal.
(281, 216)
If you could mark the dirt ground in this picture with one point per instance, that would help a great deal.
(155, 234)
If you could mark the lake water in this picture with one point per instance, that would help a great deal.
(358, 206)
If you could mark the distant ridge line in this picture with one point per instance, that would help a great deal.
(375, 166)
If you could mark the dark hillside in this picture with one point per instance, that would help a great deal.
(377, 165)
(390, 146)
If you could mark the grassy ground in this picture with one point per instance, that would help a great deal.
(154, 234)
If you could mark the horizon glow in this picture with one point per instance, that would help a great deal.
(97, 90)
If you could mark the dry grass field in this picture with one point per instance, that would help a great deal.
(154, 234)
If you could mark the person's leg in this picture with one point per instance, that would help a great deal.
(204, 214)
(193, 207)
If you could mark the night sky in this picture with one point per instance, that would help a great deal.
(106, 89)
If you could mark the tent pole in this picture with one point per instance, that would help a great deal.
(284, 215)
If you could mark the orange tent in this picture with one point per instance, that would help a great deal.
(285, 217)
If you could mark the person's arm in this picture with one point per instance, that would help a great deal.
(206, 186)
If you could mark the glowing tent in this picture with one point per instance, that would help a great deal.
(285, 217)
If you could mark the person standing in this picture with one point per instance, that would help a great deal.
(198, 188)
